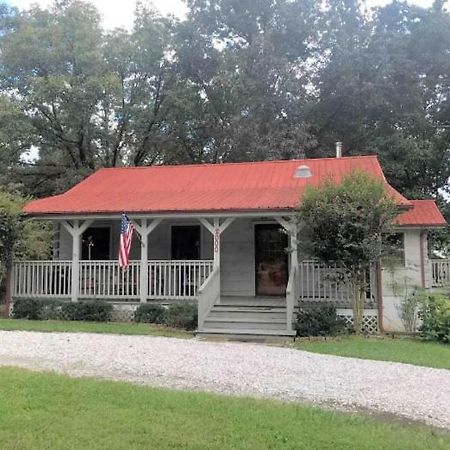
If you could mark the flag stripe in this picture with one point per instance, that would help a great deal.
(126, 236)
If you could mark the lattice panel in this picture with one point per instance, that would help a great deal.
(369, 323)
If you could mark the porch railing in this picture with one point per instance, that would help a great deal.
(104, 279)
(318, 282)
(42, 279)
(177, 279)
(440, 272)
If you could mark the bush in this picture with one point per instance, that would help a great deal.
(150, 314)
(27, 308)
(435, 315)
(92, 311)
(320, 320)
(182, 315)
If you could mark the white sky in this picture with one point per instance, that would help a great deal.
(119, 13)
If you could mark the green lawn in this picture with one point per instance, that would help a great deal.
(51, 411)
(92, 327)
(405, 350)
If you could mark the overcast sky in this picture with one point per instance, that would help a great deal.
(119, 13)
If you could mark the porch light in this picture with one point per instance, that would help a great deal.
(302, 172)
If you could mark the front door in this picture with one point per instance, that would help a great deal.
(271, 260)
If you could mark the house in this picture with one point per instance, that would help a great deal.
(216, 234)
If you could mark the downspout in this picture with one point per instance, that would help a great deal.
(422, 258)
(379, 290)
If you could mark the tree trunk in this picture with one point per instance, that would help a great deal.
(358, 292)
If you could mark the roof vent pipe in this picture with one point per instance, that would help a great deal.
(338, 149)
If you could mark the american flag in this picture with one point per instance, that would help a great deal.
(126, 235)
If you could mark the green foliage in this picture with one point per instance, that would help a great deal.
(92, 311)
(20, 237)
(435, 317)
(182, 315)
(28, 308)
(320, 320)
(344, 222)
(37, 309)
(150, 314)
(247, 80)
(410, 308)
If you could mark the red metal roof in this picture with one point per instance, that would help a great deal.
(424, 213)
(250, 186)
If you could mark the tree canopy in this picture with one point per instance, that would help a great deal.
(346, 223)
(247, 80)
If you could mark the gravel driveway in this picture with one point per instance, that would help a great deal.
(414, 393)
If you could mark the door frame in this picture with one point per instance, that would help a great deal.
(288, 260)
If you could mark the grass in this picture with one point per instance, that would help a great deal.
(52, 411)
(92, 327)
(404, 350)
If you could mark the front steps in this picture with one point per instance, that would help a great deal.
(250, 317)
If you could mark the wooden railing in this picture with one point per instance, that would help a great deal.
(105, 279)
(42, 279)
(318, 282)
(176, 280)
(440, 272)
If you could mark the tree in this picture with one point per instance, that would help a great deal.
(92, 100)
(344, 223)
(20, 237)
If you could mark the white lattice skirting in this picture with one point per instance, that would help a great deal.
(370, 319)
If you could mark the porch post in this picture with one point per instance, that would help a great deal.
(76, 229)
(216, 229)
(292, 231)
(144, 229)
(291, 292)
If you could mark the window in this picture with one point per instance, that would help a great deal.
(186, 242)
(96, 244)
(395, 249)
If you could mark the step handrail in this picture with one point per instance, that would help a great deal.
(291, 297)
(208, 296)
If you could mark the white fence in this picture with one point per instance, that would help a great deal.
(440, 272)
(104, 279)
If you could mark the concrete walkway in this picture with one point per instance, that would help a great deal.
(410, 392)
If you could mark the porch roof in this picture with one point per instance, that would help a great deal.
(424, 213)
(250, 186)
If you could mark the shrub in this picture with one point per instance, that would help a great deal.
(435, 315)
(150, 314)
(320, 320)
(51, 310)
(182, 315)
(409, 309)
(92, 311)
(27, 308)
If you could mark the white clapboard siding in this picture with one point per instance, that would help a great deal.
(42, 279)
